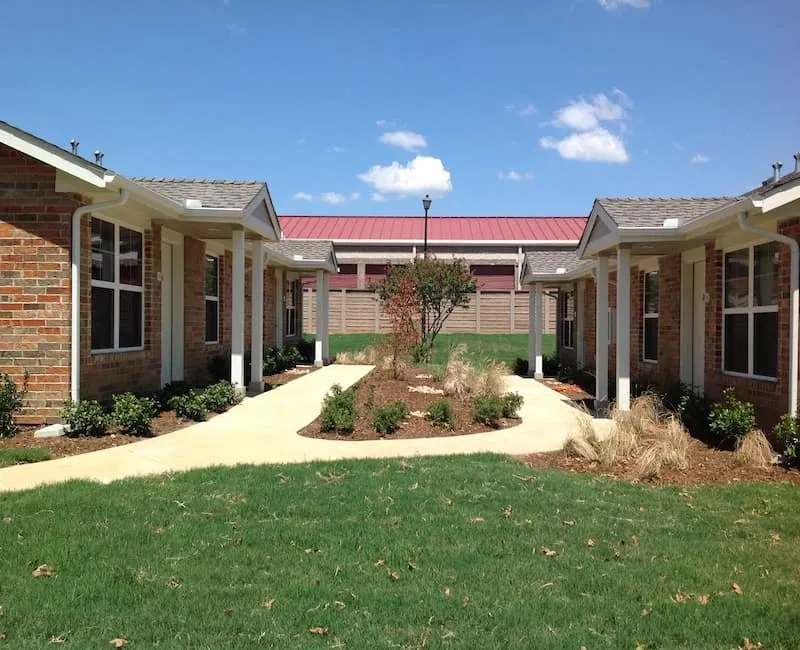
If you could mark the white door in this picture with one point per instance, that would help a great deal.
(167, 251)
(699, 325)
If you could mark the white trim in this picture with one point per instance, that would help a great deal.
(601, 331)
(692, 255)
(291, 288)
(208, 298)
(650, 316)
(623, 329)
(237, 309)
(565, 318)
(580, 302)
(257, 318)
(279, 296)
(116, 286)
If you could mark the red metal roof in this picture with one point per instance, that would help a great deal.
(405, 228)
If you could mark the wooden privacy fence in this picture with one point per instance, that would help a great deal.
(489, 312)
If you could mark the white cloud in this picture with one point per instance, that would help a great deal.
(236, 28)
(700, 159)
(303, 196)
(597, 145)
(386, 124)
(334, 198)
(354, 196)
(582, 115)
(335, 149)
(377, 197)
(407, 140)
(514, 175)
(611, 5)
(423, 175)
(523, 111)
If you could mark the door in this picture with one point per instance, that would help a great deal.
(167, 329)
(699, 325)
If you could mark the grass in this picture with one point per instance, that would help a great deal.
(20, 456)
(467, 552)
(480, 347)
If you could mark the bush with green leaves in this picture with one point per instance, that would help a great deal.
(338, 410)
(221, 396)
(306, 350)
(731, 417)
(277, 360)
(440, 414)
(488, 410)
(512, 402)
(11, 397)
(190, 406)
(387, 419)
(787, 432)
(170, 390)
(134, 414)
(691, 406)
(371, 398)
(85, 418)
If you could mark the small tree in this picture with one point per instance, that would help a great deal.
(403, 309)
(440, 288)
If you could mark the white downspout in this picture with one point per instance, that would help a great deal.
(75, 285)
(794, 304)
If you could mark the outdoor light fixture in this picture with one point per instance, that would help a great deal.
(426, 205)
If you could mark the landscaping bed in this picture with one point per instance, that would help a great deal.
(387, 390)
(281, 378)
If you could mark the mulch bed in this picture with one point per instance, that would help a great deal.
(388, 390)
(707, 465)
(570, 391)
(288, 375)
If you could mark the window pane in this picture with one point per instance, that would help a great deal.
(651, 339)
(765, 277)
(736, 326)
(102, 250)
(102, 318)
(212, 276)
(130, 257)
(651, 293)
(570, 306)
(737, 268)
(765, 344)
(130, 319)
(212, 321)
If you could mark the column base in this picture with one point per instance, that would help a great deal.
(255, 388)
(538, 375)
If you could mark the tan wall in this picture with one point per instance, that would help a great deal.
(490, 312)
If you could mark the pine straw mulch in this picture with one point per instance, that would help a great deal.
(707, 465)
(388, 390)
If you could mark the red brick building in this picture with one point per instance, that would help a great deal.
(699, 291)
(111, 284)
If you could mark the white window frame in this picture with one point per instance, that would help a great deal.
(117, 286)
(649, 316)
(750, 310)
(290, 286)
(566, 318)
(211, 299)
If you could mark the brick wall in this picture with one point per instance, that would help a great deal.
(35, 233)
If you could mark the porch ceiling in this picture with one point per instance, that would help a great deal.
(207, 229)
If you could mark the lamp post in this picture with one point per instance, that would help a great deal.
(426, 205)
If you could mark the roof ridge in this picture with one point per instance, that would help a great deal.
(667, 198)
(208, 181)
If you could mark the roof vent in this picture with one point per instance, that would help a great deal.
(797, 162)
(560, 270)
(193, 204)
(74, 145)
(670, 223)
(298, 258)
(98, 157)
(776, 171)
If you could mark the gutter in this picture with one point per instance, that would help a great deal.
(794, 305)
(75, 285)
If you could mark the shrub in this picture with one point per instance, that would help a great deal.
(440, 414)
(134, 414)
(551, 366)
(338, 410)
(787, 432)
(754, 450)
(306, 350)
(386, 419)
(219, 367)
(190, 406)
(371, 398)
(288, 358)
(690, 405)
(11, 397)
(731, 417)
(221, 396)
(85, 418)
(170, 390)
(521, 367)
(512, 402)
(488, 409)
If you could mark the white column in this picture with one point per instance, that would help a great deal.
(326, 319)
(531, 330)
(257, 319)
(279, 308)
(318, 349)
(601, 333)
(624, 329)
(580, 323)
(237, 311)
(537, 325)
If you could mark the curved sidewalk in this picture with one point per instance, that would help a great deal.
(263, 430)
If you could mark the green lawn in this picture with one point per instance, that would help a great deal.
(19, 456)
(438, 553)
(500, 347)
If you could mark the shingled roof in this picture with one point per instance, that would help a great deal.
(305, 253)
(651, 213)
(212, 193)
(551, 262)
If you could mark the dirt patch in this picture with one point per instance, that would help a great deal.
(62, 446)
(706, 465)
(388, 390)
(288, 375)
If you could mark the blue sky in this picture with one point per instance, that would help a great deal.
(360, 107)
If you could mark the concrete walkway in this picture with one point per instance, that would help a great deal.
(263, 430)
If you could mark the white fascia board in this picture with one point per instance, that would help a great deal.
(263, 195)
(780, 198)
(713, 218)
(598, 212)
(599, 244)
(450, 242)
(51, 155)
(582, 271)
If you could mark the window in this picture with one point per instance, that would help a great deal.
(212, 299)
(291, 298)
(750, 311)
(117, 288)
(650, 320)
(568, 319)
